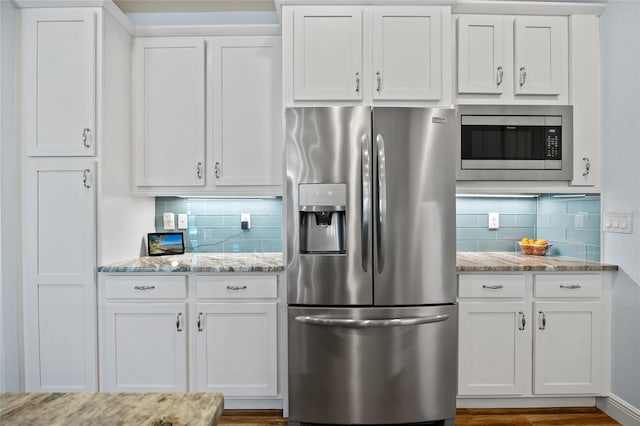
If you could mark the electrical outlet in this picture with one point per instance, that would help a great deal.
(169, 221)
(245, 221)
(580, 220)
(494, 220)
(183, 222)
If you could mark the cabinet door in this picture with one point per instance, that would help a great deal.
(145, 347)
(327, 53)
(541, 57)
(169, 125)
(237, 348)
(494, 348)
(58, 81)
(481, 54)
(247, 122)
(568, 347)
(59, 269)
(407, 57)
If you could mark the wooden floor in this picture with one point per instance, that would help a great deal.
(583, 416)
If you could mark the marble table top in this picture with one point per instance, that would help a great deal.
(201, 262)
(111, 409)
(506, 261)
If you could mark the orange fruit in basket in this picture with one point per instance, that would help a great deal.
(541, 242)
(525, 240)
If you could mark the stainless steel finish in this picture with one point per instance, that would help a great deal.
(199, 323)
(365, 188)
(382, 202)
(587, 166)
(493, 286)
(542, 318)
(372, 375)
(523, 76)
(236, 287)
(85, 139)
(179, 322)
(144, 287)
(388, 322)
(85, 178)
(216, 170)
(523, 321)
(379, 81)
(499, 75)
(514, 170)
(357, 82)
(418, 225)
(571, 286)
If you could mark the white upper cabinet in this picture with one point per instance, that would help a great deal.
(327, 47)
(246, 96)
(506, 59)
(407, 47)
(365, 54)
(169, 109)
(58, 81)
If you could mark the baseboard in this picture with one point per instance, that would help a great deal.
(619, 410)
(526, 402)
(252, 404)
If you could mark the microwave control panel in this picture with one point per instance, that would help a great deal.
(553, 149)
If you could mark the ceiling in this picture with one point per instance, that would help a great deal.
(149, 6)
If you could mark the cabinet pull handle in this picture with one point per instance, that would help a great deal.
(379, 81)
(543, 320)
(85, 178)
(200, 322)
(571, 286)
(85, 139)
(179, 322)
(523, 321)
(236, 287)
(144, 287)
(199, 170)
(587, 166)
(523, 76)
(357, 82)
(216, 170)
(499, 75)
(493, 286)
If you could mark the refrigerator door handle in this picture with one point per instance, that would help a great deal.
(365, 180)
(354, 323)
(382, 201)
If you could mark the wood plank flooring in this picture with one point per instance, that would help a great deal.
(582, 416)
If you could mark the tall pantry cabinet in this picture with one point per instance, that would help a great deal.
(64, 63)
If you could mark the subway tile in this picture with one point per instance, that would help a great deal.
(589, 206)
(476, 234)
(466, 205)
(517, 205)
(593, 221)
(486, 205)
(515, 234)
(496, 246)
(466, 220)
(263, 234)
(207, 221)
(583, 236)
(242, 246)
(463, 245)
(543, 220)
(562, 221)
(525, 220)
(508, 220)
(272, 245)
(266, 220)
(577, 251)
(593, 253)
(551, 205)
(551, 234)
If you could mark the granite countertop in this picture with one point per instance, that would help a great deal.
(79, 409)
(201, 262)
(505, 261)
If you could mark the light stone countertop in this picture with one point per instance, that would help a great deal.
(506, 261)
(111, 409)
(201, 262)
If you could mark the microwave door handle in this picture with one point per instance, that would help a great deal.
(382, 202)
(365, 182)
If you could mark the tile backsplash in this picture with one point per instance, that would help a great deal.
(571, 223)
(214, 224)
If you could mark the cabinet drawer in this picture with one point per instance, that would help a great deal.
(236, 287)
(145, 287)
(567, 285)
(488, 286)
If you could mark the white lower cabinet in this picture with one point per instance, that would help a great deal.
(532, 334)
(179, 333)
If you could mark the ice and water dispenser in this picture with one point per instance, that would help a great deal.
(323, 218)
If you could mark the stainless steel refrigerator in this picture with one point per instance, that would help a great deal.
(372, 319)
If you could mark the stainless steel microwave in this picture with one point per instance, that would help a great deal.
(515, 142)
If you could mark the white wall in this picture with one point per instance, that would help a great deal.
(10, 267)
(620, 66)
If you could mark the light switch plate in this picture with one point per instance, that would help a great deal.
(494, 220)
(183, 223)
(169, 221)
(621, 222)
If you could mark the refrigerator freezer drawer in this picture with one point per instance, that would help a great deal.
(372, 365)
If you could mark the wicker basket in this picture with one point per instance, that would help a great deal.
(536, 250)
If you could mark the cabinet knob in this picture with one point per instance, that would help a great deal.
(587, 166)
(523, 76)
(85, 137)
(499, 75)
